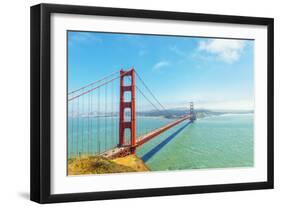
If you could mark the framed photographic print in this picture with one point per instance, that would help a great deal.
(132, 103)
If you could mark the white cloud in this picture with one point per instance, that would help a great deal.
(224, 49)
(160, 65)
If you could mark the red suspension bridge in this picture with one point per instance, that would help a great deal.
(110, 117)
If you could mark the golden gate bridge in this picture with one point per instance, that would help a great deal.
(109, 118)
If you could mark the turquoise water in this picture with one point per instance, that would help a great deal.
(211, 142)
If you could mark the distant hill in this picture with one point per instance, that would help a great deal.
(175, 113)
(200, 113)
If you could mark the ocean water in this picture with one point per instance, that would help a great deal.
(212, 142)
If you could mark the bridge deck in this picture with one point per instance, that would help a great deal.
(116, 152)
(145, 138)
(125, 150)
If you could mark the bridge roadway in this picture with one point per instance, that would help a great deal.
(121, 151)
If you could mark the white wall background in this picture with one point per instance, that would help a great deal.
(14, 101)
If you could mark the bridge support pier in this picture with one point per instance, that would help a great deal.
(131, 124)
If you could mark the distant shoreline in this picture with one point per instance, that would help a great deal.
(173, 113)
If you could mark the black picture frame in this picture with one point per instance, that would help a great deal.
(41, 99)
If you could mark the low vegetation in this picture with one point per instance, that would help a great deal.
(102, 165)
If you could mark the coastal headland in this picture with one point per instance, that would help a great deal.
(101, 165)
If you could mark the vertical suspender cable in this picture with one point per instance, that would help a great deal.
(112, 123)
(105, 117)
(77, 129)
(82, 123)
(89, 123)
(117, 114)
(98, 122)
(72, 129)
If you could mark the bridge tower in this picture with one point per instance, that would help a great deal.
(191, 111)
(125, 104)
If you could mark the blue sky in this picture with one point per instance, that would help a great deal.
(214, 73)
